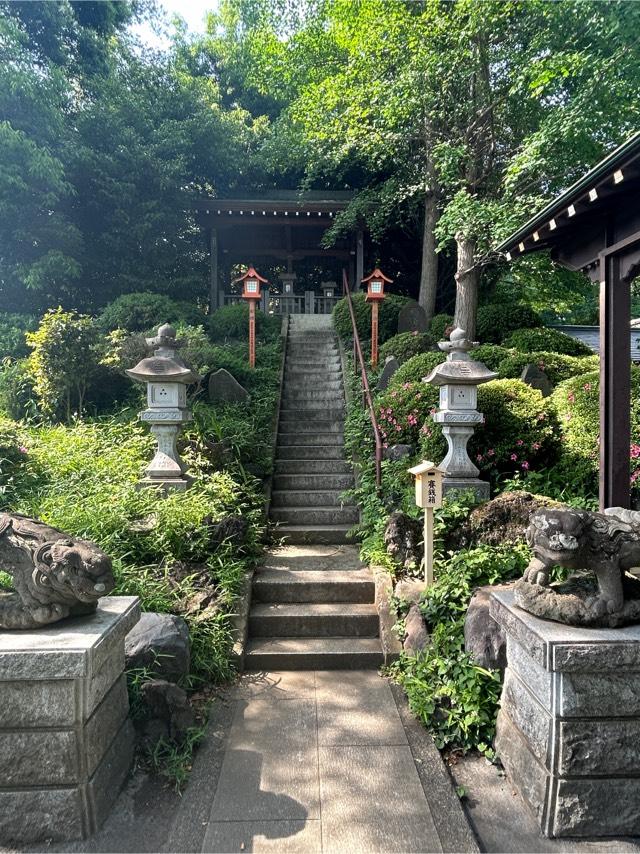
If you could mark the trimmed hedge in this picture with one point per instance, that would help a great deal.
(231, 323)
(491, 355)
(496, 320)
(416, 368)
(142, 312)
(405, 345)
(547, 340)
(439, 325)
(556, 366)
(387, 317)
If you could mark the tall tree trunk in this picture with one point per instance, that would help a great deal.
(429, 271)
(467, 280)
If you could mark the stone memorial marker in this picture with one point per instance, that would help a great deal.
(390, 367)
(224, 388)
(412, 318)
(535, 377)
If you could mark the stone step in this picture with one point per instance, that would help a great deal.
(320, 406)
(309, 498)
(294, 415)
(321, 619)
(284, 585)
(311, 357)
(310, 515)
(316, 558)
(312, 467)
(310, 452)
(310, 370)
(313, 654)
(328, 438)
(328, 388)
(314, 534)
(312, 482)
(315, 425)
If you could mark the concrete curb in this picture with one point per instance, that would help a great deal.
(391, 646)
(240, 622)
(452, 825)
(275, 426)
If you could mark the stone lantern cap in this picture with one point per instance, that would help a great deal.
(460, 368)
(165, 364)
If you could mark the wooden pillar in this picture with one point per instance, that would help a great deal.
(359, 257)
(252, 333)
(214, 300)
(615, 384)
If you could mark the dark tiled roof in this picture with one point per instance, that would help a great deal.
(590, 335)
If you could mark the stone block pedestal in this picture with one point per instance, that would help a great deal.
(569, 724)
(66, 742)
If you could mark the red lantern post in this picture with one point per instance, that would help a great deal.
(375, 283)
(251, 282)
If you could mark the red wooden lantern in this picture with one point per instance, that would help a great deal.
(375, 283)
(251, 282)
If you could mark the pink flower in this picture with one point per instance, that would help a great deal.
(587, 386)
(491, 452)
(514, 457)
(536, 446)
(22, 449)
(398, 428)
(479, 457)
(418, 396)
(406, 385)
(415, 332)
(571, 397)
(519, 442)
(525, 465)
(394, 394)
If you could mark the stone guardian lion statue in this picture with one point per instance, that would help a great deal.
(53, 576)
(601, 547)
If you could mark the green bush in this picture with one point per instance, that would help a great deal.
(548, 340)
(491, 355)
(520, 430)
(12, 455)
(456, 700)
(405, 345)
(13, 327)
(17, 397)
(496, 320)
(63, 360)
(439, 325)
(143, 312)
(416, 368)
(387, 318)
(556, 366)
(231, 323)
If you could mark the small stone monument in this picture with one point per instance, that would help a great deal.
(535, 377)
(458, 379)
(391, 365)
(167, 378)
(412, 318)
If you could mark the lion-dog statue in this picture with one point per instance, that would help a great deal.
(53, 576)
(602, 547)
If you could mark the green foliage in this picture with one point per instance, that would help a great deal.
(556, 366)
(13, 327)
(454, 698)
(231, 323)
(13, 453)
(549, 340)
(405, 345)
(439, 325)
(387, 318)
(491, 355)
(17, 396)
(416, 368)
(62, 362)
(144, 312)
(495, 322)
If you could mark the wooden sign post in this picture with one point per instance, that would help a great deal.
(375, 283)
(428, 496)
(251, 282)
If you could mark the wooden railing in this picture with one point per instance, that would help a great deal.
(366, 391)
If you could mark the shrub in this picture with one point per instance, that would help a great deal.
(387, 320)
(405, 345)
(17, 397)
(416, 368)
(232, 323)
(490, 354)
(496, 320)
(142, 312)
(12, 454)
(520, 430)
(439, 325)
(556, 366)
(64, 358)
(13, 327)
(548, 340)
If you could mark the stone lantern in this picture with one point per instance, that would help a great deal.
(458, 379)
(167, 377)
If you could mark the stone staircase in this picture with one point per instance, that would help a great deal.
(313, 602)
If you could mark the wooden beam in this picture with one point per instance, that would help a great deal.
(615, 384)
(213, 281)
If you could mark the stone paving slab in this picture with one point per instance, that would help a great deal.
(264, 836)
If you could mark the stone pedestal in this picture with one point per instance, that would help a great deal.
(66, 742)
(569, 723)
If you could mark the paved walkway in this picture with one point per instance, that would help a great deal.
(319, 761)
